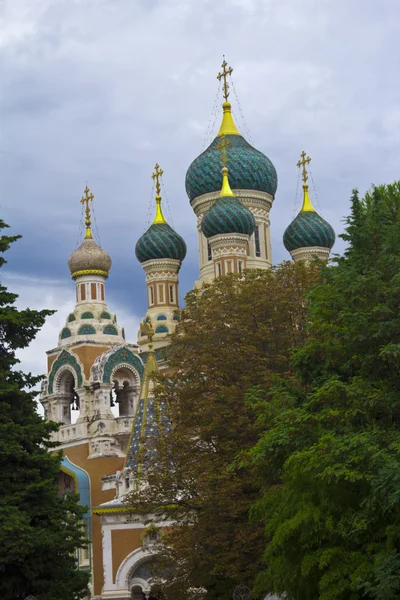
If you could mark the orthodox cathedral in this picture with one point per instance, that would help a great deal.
(93, 369)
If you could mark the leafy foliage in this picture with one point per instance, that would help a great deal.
(39, 530)
(233, 334)
(329, 457)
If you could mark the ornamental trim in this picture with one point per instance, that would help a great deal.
(65, 358)
(89, 272)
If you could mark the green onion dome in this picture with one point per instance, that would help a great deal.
(308, 229)
(249, 169)
(227, 214)
(160, 240)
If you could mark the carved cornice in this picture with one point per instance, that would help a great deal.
(309, 254)
(250, 198)
(161, 264)
(161, 275)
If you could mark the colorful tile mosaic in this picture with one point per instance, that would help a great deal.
(249, 169)
(308, 229)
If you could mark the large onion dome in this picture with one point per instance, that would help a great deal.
(89, 259)
(160, 240)
(249, 169)
(227, 214)
(308, 229)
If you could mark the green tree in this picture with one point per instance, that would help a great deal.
(40, 531)
(233, 334)
(329, 457)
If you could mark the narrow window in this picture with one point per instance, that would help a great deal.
(83, 291)
(257, 241)
(151, 295)
(209, 251)
(102, 291)
(171, 294)
(240, 266)
(218, 267)
(93, 291)
(161, 293)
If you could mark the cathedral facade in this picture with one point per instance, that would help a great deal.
(107, 382)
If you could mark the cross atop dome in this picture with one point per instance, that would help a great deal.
(223, 75)
(88, 197)
(156, 176)
(302, 163)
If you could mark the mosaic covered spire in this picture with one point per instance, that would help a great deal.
(160, 240)
(151, 418)
(308, 229)
(249, 169)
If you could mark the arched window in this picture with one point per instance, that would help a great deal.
(86, 330)
(71, 318)
(125, 391)
(161, 329)
(66, 333)
(68, 398)
(161, 318)
(105, 315)
(110, 330)
(87, 315)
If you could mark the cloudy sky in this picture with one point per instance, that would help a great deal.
(98, 91)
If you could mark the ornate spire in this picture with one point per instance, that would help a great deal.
(88, 197)
(159, 217)
(302, 164)
(151, 418)
(228, 126)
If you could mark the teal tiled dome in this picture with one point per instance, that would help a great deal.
(160, 241)
(227, 215)
(249, 169)
(308, 229)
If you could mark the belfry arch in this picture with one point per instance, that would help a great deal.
(68, 398)
(125, 389)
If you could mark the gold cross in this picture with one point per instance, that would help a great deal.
(88, 197)
(223, 145)
(302, 163)
(224, 75)
(156, 175)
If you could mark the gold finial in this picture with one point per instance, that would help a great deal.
(302, 163)
(226, 188)
(88, 197)
(223, 75)
(146, 327)
(223, 145)
(159, 218)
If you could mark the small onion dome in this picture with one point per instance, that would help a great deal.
(308, 229)
(89, 259)
(227, 214)
(160, 240)
(249, 169)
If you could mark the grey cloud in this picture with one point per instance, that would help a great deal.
(99, 90)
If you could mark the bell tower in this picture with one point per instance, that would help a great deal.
(92, 388)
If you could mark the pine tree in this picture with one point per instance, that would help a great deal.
(233, 334)
(329, 458)
(40, 531)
